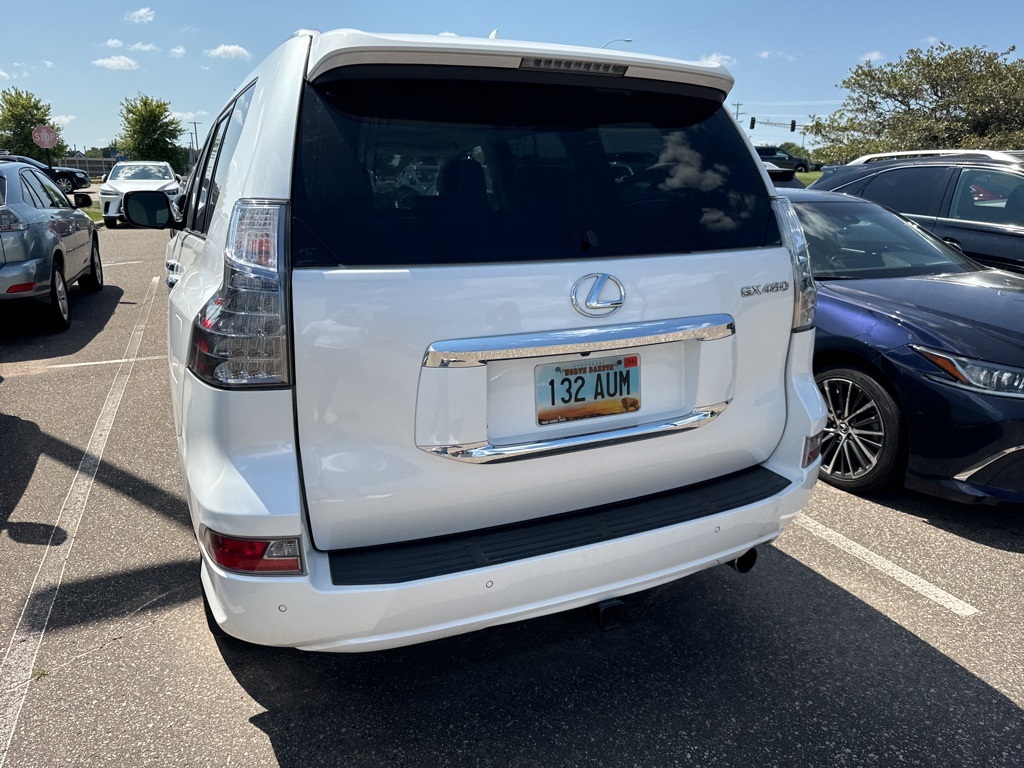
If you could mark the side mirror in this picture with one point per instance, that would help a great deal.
(178, 177)
(150, 209)
(82, 200)
(103, 178)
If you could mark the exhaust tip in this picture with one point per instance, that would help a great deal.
(744, 562)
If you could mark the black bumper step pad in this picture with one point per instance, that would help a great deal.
(424, 558)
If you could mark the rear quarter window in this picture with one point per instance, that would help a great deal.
(404, 166)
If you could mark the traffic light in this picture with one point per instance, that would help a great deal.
(753, 122)
(792, 126)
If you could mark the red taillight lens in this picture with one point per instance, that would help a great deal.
(240, 336)
(21, 287)
(10, 221)
(280, 556)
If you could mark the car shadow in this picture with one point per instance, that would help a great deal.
(24, 325)
(780, 667)
(24, 443)
(998, 526)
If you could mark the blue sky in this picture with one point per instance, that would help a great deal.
(84, 58)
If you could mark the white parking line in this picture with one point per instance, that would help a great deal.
(916, 583)
(119, 263)
(20, 658)
(108, 362)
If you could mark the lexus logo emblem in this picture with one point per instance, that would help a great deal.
(597, 295)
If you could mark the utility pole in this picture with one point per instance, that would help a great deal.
(737, 105)
(196, 132)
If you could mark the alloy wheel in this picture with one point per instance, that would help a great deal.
(855, 432)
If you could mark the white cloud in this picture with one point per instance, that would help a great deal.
(144, 47)
(177, 51)
(141, 16)
(229, 52)
(188, 116)
(4, 75)
(786, 56)
(63, 120)
(872, 56)
(113, 43)
(447, 34)
(117, 62)
(717, 58)
(48, 64)
(930, 41)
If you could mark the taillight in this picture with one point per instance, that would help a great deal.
(793, 238)
(10, 221)
(240, 336)
(245, 555)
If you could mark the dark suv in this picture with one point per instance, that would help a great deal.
(783, 159)
(976, 203)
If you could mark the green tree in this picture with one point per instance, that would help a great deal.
(150, 132)
(939, 98)
(20, 112)
(793, 148)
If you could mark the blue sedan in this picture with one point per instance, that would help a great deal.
(919, 355)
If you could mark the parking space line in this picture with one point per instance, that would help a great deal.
(19, 660)
(916, 583)
(108, 362)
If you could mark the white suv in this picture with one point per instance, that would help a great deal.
(541, 385)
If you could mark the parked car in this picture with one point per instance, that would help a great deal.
(780, 158)
(783, 177)
(46, 243)
(398, 424)
(974, 201)
(66, 179)
(919, 356)
(129, 175)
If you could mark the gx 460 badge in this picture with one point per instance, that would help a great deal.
(757, 290)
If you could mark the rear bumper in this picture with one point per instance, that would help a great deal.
(20, 272)
(312, 613)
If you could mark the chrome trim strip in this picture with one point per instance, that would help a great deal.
(469, 353)
(484, 453)
(965, 476)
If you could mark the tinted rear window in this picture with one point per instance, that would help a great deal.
(394, 170)
(909, 190)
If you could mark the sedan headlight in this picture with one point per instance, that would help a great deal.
(977, 375)
(108, 191)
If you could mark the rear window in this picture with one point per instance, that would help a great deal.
(405, 166)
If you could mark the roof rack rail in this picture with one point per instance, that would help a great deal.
(1014, 156)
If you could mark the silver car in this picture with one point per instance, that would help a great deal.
(46, 243)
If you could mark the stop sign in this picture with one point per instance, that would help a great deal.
(44, 136)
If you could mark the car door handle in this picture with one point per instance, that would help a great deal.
(953, 242)
(173, 272)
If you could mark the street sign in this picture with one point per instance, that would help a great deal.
(44, 136)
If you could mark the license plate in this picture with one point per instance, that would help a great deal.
(586, 389)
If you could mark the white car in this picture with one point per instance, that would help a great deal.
(540, 388)
(135, 175)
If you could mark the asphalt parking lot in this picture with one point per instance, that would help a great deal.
(873, 632)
